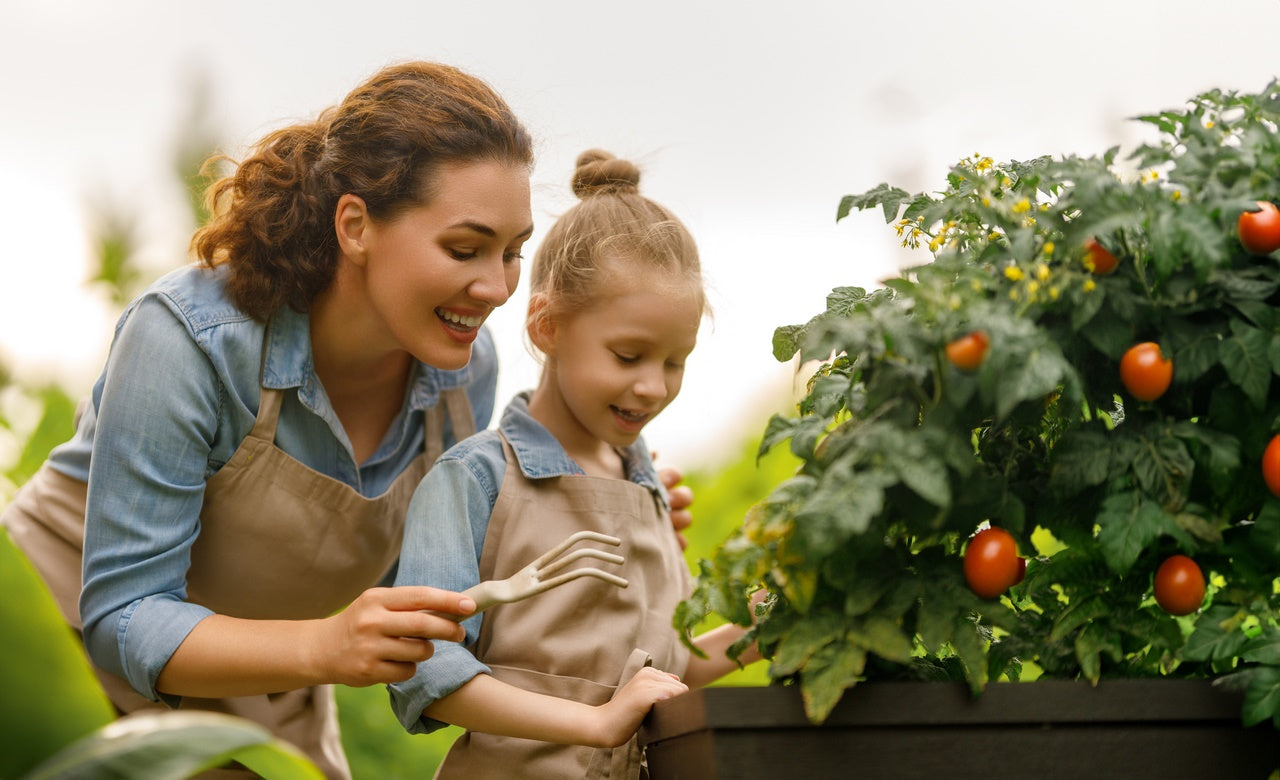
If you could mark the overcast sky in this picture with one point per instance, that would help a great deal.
(750, 120)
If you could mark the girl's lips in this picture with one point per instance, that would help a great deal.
(630, 421)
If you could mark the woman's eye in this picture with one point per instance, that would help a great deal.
(624, 358)
(512, 257)
(462, 254)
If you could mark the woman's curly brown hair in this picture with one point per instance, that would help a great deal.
(272, 221)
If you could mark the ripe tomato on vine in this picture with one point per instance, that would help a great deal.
(1098, 258)
(1259, 230)
(1179, 585)
(1145, 371)
(967, 352)
(992, 563)
(1271, 465)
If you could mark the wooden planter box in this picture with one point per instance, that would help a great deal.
(899, 730)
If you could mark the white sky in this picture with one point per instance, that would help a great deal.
(750, 120)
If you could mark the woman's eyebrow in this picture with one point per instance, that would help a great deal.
(485, 230)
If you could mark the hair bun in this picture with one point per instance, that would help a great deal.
(599, 173)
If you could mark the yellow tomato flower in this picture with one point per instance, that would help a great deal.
(1013, 273)
(1022, 206)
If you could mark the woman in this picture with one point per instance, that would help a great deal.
(240, 477)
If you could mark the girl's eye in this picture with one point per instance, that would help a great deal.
(512, 257)
(463, 254)
(626, 358)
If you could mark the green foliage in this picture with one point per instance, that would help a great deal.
(903, 456)
(176, 744)
(63, 702)
(377, 746)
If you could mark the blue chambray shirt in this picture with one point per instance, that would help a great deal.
(178, 394)
(444, 536)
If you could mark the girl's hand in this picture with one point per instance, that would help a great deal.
(384, 633)
(680, 498)
(621, 716)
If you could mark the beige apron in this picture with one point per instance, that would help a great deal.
(277, 540)
(584, 639)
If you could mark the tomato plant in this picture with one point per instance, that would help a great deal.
(1259, 228)
(1054, 441)
(1145, 371)
(1179, 585)
(991, 563)
(1098, 258)
(966, 353)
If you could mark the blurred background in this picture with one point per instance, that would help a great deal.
(749, 119)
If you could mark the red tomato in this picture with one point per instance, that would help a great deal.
(1260, 230)
(991, 562)
(1145, 372)
(966, 353)
(1097, 256)
(1179, 585)
(1271, 465)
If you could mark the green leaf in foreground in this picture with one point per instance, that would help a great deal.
(175, 744)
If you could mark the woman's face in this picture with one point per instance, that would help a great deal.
(435, 272)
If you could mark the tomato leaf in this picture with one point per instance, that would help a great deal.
(1262, 696)
(829, 672)
(1246, 356)
(889, 198)
(1126, 527)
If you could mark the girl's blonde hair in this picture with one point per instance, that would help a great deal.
(611, 224)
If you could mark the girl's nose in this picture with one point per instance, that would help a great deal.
(651, 384)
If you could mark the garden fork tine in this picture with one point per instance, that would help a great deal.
(535, 578)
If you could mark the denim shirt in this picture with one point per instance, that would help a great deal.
(445, 530)
(178, 394)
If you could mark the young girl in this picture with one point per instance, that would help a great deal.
(616, 302)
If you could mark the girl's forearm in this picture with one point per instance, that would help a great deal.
(491, 706)
(715, 643)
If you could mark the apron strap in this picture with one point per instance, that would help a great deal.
(455, 403)
(269, 402)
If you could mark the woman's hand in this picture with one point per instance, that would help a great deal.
(385, 632)
(620, 717)
(680, 498)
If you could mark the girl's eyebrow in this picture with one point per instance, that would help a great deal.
(485, 230)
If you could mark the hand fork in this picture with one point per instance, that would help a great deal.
(541, 575)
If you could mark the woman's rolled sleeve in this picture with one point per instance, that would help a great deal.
(157, 413)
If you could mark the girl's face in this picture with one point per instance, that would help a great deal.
(434, 273)
(616, 365)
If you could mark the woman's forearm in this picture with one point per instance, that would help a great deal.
(225, 656)
(379, 638)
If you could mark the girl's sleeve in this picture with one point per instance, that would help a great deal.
(443, 538)
(157, 414)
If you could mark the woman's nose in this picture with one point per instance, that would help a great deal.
(496, 282)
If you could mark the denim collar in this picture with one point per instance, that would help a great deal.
(288, 362)
(540, 455)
